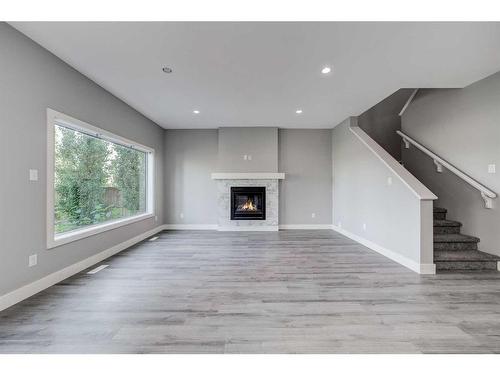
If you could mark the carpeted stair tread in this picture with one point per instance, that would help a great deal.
(458, 252)
(439, 213)
(446, 227)
(447, 223)
(454, 237)
(463, 256)
(491, 266)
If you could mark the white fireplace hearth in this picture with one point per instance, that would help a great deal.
(227, 180)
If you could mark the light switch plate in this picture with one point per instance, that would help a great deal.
(249, 157)
(491, 168)
(32, 260)
(33, 174)
(313, 215)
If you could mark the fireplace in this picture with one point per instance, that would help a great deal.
(248, 203)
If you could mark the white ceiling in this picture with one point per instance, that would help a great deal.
(258, 74)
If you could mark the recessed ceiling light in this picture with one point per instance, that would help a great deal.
(298, 111)
(196, 112)
(326, 70)
(166, 69)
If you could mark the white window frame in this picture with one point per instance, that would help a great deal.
(53, 239)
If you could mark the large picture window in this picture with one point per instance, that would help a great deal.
(97, 181)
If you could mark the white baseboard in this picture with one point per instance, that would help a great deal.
(421, 268)
(266, 228)
(305, 226)
(427, 269)
(190, 227)
(33, 288)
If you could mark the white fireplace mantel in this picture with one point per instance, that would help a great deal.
(248, 176)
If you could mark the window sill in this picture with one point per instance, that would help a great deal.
(78, 234)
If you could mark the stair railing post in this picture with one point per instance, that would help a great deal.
(488, 202)
(439, 166)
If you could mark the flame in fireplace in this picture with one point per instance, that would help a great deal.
(247, 206)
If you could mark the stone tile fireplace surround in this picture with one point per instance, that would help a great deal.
(227, 180)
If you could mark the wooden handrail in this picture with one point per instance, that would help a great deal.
(486, 193)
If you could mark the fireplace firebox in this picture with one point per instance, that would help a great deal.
(248, 203)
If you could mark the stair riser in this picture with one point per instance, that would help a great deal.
(466, 266)
(446, 230)
(455, 246)
(439, 215)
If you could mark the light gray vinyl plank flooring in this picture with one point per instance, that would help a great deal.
(248, 292)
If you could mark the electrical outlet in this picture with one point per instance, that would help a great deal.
(181, 215)
(339, 224)
(249, 157)
(32, 260)
(364, 226)
(245, 157)
(313, 215)
(389, 181)
(33, 174)
(492, 168)
(156, 218)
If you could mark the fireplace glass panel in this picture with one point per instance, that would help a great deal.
(248, 203)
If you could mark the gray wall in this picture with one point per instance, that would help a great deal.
(306, 158)
(31, 80)
(192, 155)
(392, 213)
(190, 158)
(463, 127)
(382, 120)
(261, 143)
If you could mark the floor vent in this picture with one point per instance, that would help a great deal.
(97, 269)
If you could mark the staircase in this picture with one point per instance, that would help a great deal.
(454, 251)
